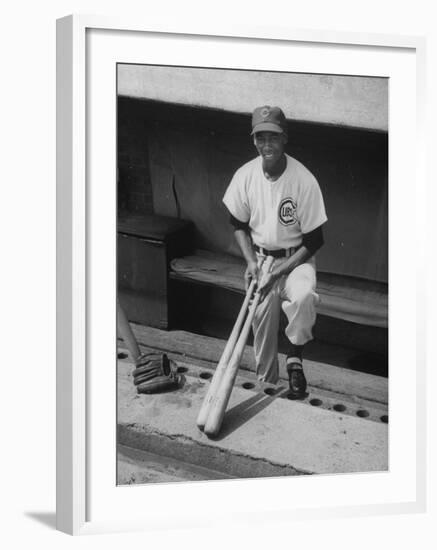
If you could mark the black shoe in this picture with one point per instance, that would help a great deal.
(296, 380)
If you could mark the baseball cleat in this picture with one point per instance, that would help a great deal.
(296, 380)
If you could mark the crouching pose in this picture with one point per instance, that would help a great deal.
(276, 209)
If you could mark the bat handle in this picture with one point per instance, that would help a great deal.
(267, 267)
(126, 333)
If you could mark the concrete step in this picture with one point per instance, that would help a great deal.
(262, 435)
(139, 467)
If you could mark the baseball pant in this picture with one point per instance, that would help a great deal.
(296, 294)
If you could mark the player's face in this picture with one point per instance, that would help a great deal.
(270, 145)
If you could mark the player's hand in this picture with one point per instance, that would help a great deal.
(266, 285)
(252, 272)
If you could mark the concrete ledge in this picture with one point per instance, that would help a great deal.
(230, 463)
(261, 435)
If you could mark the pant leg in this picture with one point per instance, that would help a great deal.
(265, 336)
(299, 303)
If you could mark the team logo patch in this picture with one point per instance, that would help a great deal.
(265, 112)
(287, 212)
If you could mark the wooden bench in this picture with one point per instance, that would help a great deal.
(346, 298)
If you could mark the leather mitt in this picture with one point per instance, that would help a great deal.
(154, 373)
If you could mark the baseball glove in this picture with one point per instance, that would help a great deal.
(154, 373)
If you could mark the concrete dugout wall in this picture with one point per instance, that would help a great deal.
(357, 102)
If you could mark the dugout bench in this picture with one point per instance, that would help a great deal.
(164, 282)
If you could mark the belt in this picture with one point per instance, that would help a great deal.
(279, 253)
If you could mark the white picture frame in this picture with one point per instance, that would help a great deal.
(79, 362)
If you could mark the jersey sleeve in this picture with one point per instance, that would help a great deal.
(236, 200)
(311, 207)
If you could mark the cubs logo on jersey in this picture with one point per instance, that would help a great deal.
(287, 211)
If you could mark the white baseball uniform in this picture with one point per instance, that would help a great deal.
(279, 213)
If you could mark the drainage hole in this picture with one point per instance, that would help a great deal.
(362, 413)
(339, 407)
(248, 385)
(122, 355)
(384, 418)
(182, 369)
(316, 402)
(270, 391)
(205, 375)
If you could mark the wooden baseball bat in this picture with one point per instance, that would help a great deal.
(126, 333)
(226, 355)
(223, 393)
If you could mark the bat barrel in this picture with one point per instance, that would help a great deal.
(226, 355)
(223, 393)
(224, 359)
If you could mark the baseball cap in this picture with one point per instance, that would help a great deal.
(268, 119)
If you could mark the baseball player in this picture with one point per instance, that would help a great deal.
(276, 209)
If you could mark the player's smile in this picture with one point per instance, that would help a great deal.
(270, 145)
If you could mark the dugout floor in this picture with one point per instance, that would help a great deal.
(341, 426)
